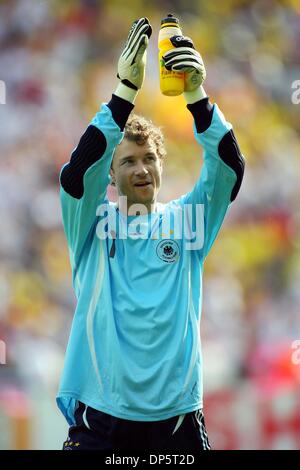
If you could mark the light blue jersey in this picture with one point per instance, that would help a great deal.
(134, 350)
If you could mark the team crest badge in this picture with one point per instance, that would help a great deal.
(168, 251)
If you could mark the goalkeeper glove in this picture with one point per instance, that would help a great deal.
(132, 62)
(184, 58)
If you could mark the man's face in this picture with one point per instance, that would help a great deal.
(136, 172)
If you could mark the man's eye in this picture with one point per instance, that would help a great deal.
(150, 157)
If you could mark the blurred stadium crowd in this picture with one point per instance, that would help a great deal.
(58, 61)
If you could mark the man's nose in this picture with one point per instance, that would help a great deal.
(140, 169)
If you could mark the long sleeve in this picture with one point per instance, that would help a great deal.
(222, 170)
(85, 178)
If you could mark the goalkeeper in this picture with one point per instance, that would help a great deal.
(132, 377)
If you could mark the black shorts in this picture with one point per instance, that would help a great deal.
(95, 430)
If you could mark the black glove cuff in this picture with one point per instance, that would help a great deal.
(127, 83)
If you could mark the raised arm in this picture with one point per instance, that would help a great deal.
(84, 179)
(223, 168)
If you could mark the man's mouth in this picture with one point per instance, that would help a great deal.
(142, 184)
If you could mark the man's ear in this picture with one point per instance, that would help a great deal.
(112, 175)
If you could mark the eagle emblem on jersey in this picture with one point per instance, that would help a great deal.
(168, 251)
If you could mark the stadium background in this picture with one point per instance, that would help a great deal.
(58, 61)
